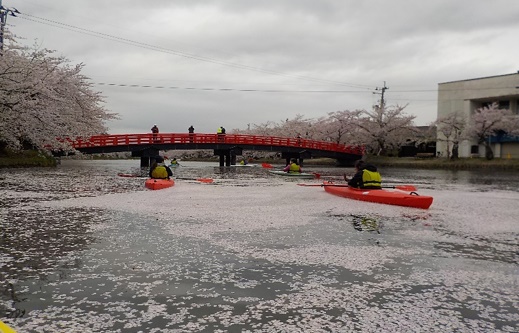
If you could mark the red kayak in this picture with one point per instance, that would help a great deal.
(159, 184)
(398, 198)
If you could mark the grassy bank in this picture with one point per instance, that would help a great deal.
(26, 158)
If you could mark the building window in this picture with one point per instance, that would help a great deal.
(474, 149)
(503, 105)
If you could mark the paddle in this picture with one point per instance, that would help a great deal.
(127, 175)
(410, 188)
(202, 180)
(406, 188)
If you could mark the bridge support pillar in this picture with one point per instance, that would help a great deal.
(145, 162)
(298, 160)
(228, 156)
(147, 156)
(341, 162)
(299, 156)
(222, 159)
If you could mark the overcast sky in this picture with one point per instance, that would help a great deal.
(233, 63)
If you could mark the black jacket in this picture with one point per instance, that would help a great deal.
(356, 180)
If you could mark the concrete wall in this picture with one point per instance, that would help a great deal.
(468, 95)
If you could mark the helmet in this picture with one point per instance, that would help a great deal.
(154, 124)
(159, 159)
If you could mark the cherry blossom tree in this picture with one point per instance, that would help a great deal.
(267, 128)
(384, 128)
(43, 97)
(297, 127)
(339, 127)
(488, 121)
(451, 128)
(379, 130)
(290, 128)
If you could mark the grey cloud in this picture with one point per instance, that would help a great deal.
(273, 44)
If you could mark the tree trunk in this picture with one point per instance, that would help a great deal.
(489, 154)
(455, 154)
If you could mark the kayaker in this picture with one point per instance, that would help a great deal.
(243, 161)
(366, 176)
(174, 161)
(158, 170)
(293, 167)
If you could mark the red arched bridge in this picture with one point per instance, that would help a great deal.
(227, 146)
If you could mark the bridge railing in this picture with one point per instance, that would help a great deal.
(200, 138)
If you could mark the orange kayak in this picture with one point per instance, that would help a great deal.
(398, 198)
(159, 184)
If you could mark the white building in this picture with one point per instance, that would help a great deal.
(466, 96)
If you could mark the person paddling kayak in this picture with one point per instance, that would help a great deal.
(366, 176)
(159, 170)
(293, 167)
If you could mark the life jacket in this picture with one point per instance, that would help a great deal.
(219, 130)
(294, 168)
(174, 162)
(159, 172)
(371, 179)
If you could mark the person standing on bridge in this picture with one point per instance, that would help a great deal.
(155, 132)
(191, 131)
(158, 170)
(221, 134)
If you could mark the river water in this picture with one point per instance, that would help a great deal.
(84, 250)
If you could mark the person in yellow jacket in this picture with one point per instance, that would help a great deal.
(366, 176)
(293, 167)
(158, 170)
(221, 134)
(5, 329)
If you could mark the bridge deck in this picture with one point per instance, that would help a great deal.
(211, 139)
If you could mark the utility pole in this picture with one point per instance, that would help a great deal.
(383, 89)
(3, 21)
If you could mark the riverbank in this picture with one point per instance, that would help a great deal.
(36, 159)
(26, 159)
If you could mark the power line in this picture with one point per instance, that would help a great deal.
(226, 89)
(73, 28)
(96, 34)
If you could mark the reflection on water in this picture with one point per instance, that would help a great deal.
(249, 252)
